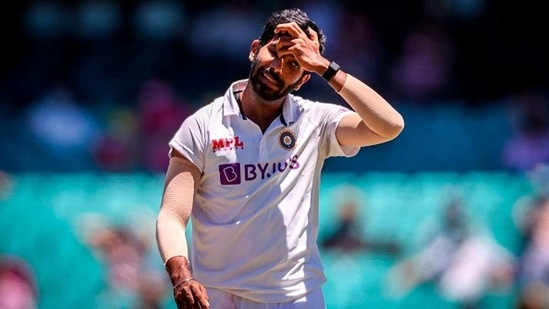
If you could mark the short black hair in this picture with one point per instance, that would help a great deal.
(290, 15)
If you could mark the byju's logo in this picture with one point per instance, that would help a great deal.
(232, 174)
(229, 174)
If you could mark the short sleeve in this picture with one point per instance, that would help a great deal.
(332, 115)
(189, 140)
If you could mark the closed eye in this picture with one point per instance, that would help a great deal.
(290, 60)
(295, 65)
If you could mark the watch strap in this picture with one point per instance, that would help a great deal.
(331, 71)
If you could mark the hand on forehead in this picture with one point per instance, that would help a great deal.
(293, 30)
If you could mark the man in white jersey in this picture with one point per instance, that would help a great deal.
(246, 169)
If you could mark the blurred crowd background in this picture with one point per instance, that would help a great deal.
(92, 91)
(102, 84)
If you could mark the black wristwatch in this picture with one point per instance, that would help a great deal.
(331, 71)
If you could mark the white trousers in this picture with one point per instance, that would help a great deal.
(223, 300)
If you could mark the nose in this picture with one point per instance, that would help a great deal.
(276, 65)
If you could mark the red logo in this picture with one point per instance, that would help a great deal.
(229, 143)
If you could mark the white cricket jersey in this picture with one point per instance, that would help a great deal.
(255, 215)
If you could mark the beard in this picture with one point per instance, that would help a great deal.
(268, 92)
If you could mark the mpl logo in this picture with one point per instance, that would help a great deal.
(231, 174)
(228, 143)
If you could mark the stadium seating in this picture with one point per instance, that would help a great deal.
(42, 220)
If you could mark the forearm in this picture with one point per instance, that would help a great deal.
(170, 235)
(172, 245)
(174, 215)
(373, 109)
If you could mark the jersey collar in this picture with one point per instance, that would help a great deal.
(232, 108)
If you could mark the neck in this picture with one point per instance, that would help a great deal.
(262, 112)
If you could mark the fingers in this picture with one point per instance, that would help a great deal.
(291, 29)
(189, 306)
(203, 298)
(283, 45)
(291, 36)
(312, 35)
(295, 31)
(200, 296)
(191, 295)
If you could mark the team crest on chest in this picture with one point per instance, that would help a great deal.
(287, 139)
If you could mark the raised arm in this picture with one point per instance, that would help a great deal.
(374, 121)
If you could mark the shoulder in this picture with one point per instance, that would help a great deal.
(207, 111)
(314, 107)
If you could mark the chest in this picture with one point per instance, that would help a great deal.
(241, 146)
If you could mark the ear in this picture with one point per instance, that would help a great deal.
(302, 81)
(254, 49)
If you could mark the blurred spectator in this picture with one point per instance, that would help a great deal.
(531, 216)
(539, 179)
(348, 236)
(116, 150)
(132, 282)
(18, 287)
(161, 112)
(6, 185)
(464, 261)
(62, 132)
(529, 144)
(533, 272)
(526, 207)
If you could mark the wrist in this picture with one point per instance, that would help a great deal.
(331, 71)
(178, 269)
